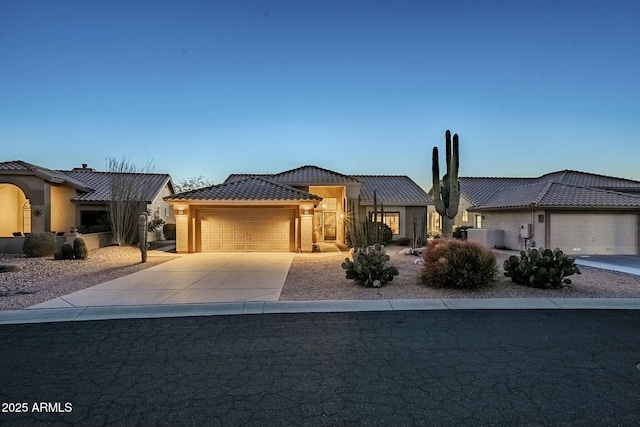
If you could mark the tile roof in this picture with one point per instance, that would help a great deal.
(392, 190)
(23, 168)
(92, 186)
(248, 188)
(590, 180)
(149, 185)
(549, 194)
(399, 190)
(479, 190)
(302, 176)
(566, 188)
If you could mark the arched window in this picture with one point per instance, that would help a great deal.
(26, 217)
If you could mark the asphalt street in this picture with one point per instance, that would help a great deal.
(468, 367)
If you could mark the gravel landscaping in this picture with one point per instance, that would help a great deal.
(42, 279)
(311, 277)
(322, 278)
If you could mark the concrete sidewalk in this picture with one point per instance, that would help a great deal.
(272, 307)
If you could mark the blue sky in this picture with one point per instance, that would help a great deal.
(360, 87)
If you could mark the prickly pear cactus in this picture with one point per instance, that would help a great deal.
(541, 268)
(369, 267)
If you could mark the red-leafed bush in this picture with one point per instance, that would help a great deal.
(458, 264)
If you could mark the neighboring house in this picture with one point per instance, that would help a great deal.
(581, 213)
(290, 210)
(37, 199)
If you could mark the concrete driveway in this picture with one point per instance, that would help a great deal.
(192, 278)
(623, 263)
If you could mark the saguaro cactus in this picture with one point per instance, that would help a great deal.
(446, 195)
(142, 236)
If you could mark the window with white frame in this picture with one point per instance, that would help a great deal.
(478, 221)
(465, 216)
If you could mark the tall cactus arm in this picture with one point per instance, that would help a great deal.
(437, 197)
(454, 184)
(456, 153)
(447, 137)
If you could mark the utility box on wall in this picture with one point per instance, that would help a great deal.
(526, 230)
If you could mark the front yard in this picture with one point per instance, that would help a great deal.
(322, 278)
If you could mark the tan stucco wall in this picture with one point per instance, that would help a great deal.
(164, 208)
(63, 212)
(12, 200)
(509, 221)
(37, 191)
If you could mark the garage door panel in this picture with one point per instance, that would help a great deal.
(601, 234)
(246, 230)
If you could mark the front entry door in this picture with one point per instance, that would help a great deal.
(329, 226)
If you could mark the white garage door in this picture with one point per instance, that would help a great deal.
(595, 234)
(244, 230)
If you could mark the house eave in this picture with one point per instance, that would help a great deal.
(556, 208)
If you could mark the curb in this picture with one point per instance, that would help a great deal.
(279, 307)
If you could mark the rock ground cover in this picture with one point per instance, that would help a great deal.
(323, 279)
(310, 278)
(42, 279)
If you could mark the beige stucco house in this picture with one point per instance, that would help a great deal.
(581, 213)
(36, 199)
(288, 211)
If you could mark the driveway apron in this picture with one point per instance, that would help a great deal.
(192, 278)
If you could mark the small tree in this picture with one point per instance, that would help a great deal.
(192, 183)
(127, 199)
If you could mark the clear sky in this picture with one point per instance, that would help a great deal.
(360, 87)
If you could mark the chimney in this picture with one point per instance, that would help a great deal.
(84, 168)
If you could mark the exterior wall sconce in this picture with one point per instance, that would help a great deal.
(306, 211)
(180, 212)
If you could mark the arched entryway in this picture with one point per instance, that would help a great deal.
(15, 211)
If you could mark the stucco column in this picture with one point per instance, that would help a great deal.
(182, 233)
(38, 218)
(306, 232)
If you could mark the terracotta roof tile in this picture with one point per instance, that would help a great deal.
(149, 185)
(392, 190)
(57, 177)
(590, 180)
(302, 176)
(549, 194)
(250, 188)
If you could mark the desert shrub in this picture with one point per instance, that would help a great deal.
(458, 232)
(404, 241)
(458, 264)
(387, 233)
(369, 266)
(66, 251)
(80, 248)
(169, 231)
(39, 244)
(541, 268)
(154, 223)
